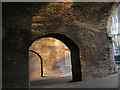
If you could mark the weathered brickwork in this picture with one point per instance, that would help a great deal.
(84, 23)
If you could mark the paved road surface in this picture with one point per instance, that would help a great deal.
(119, 79)
(64, 82)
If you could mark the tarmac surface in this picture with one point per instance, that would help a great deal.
(119, 79)
(63, 81)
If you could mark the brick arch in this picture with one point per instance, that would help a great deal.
(110, 15)
(18, 34)
(41, 61)
(75, 55)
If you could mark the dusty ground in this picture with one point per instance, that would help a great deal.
(64, 82)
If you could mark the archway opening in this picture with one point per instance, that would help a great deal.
(115, 33)
(49, 57)
(59, 56)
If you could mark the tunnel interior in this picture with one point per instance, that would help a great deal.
(49, 56)
(58, 54)
(82, 27)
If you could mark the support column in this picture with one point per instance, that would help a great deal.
(76, 65)
(15, 65)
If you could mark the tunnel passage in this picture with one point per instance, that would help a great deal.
(91, 27)
(74, 50)
(49, 55)
(35, 66)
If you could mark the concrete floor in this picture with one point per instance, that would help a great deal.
(119, 79)
(64, 82)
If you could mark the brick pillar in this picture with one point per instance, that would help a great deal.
(15, 66)
(76, 65)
